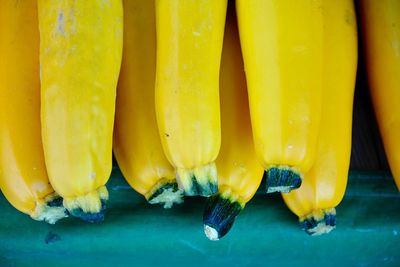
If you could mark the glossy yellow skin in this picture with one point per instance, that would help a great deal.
(239, 172)
(282, 50)
(23, 175)
(381, 33)
(137, 145)
(189, 44)
(80, 56)
(324, 185)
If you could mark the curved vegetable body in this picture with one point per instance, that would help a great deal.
(189, 44)
(324, 185)
(239, 172)
(282, 50)
(80, 57)
(381, 34)
(23, 175)
(137, 145)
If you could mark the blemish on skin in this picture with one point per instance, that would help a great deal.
(92, 175)
(167, 135)
(60, 23)
(242, 167)
(299, 49)
(347, 17)
(39, 186)
(73, 48)
(396, 47)
(105, 3)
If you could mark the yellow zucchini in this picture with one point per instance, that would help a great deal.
(324, 185)
(189, 44)
(239, 172)
(137, 145)
(80, 57)
(283, 53)
(23, 175)
(381, 34)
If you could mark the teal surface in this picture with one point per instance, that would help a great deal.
(135, 233)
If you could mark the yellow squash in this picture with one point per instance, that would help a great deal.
(239, 173)
(282, 50)
(23, 175)
(189, 44)
(381, 34)
(80, 57)
(324, 185)
(137, 145)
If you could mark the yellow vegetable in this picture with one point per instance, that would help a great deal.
(80, 57)
(137, 145)
(239, 173)
(324, 185)
(381, 34)
(282, 50)
(23, 175)
(189, 44)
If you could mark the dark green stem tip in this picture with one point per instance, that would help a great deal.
(219, 215)
(56, 202)
(90, 217)
(198, 189)
(281, 180)
(310, 224)
(173, 186)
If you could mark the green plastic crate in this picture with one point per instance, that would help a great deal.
(266, 233)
